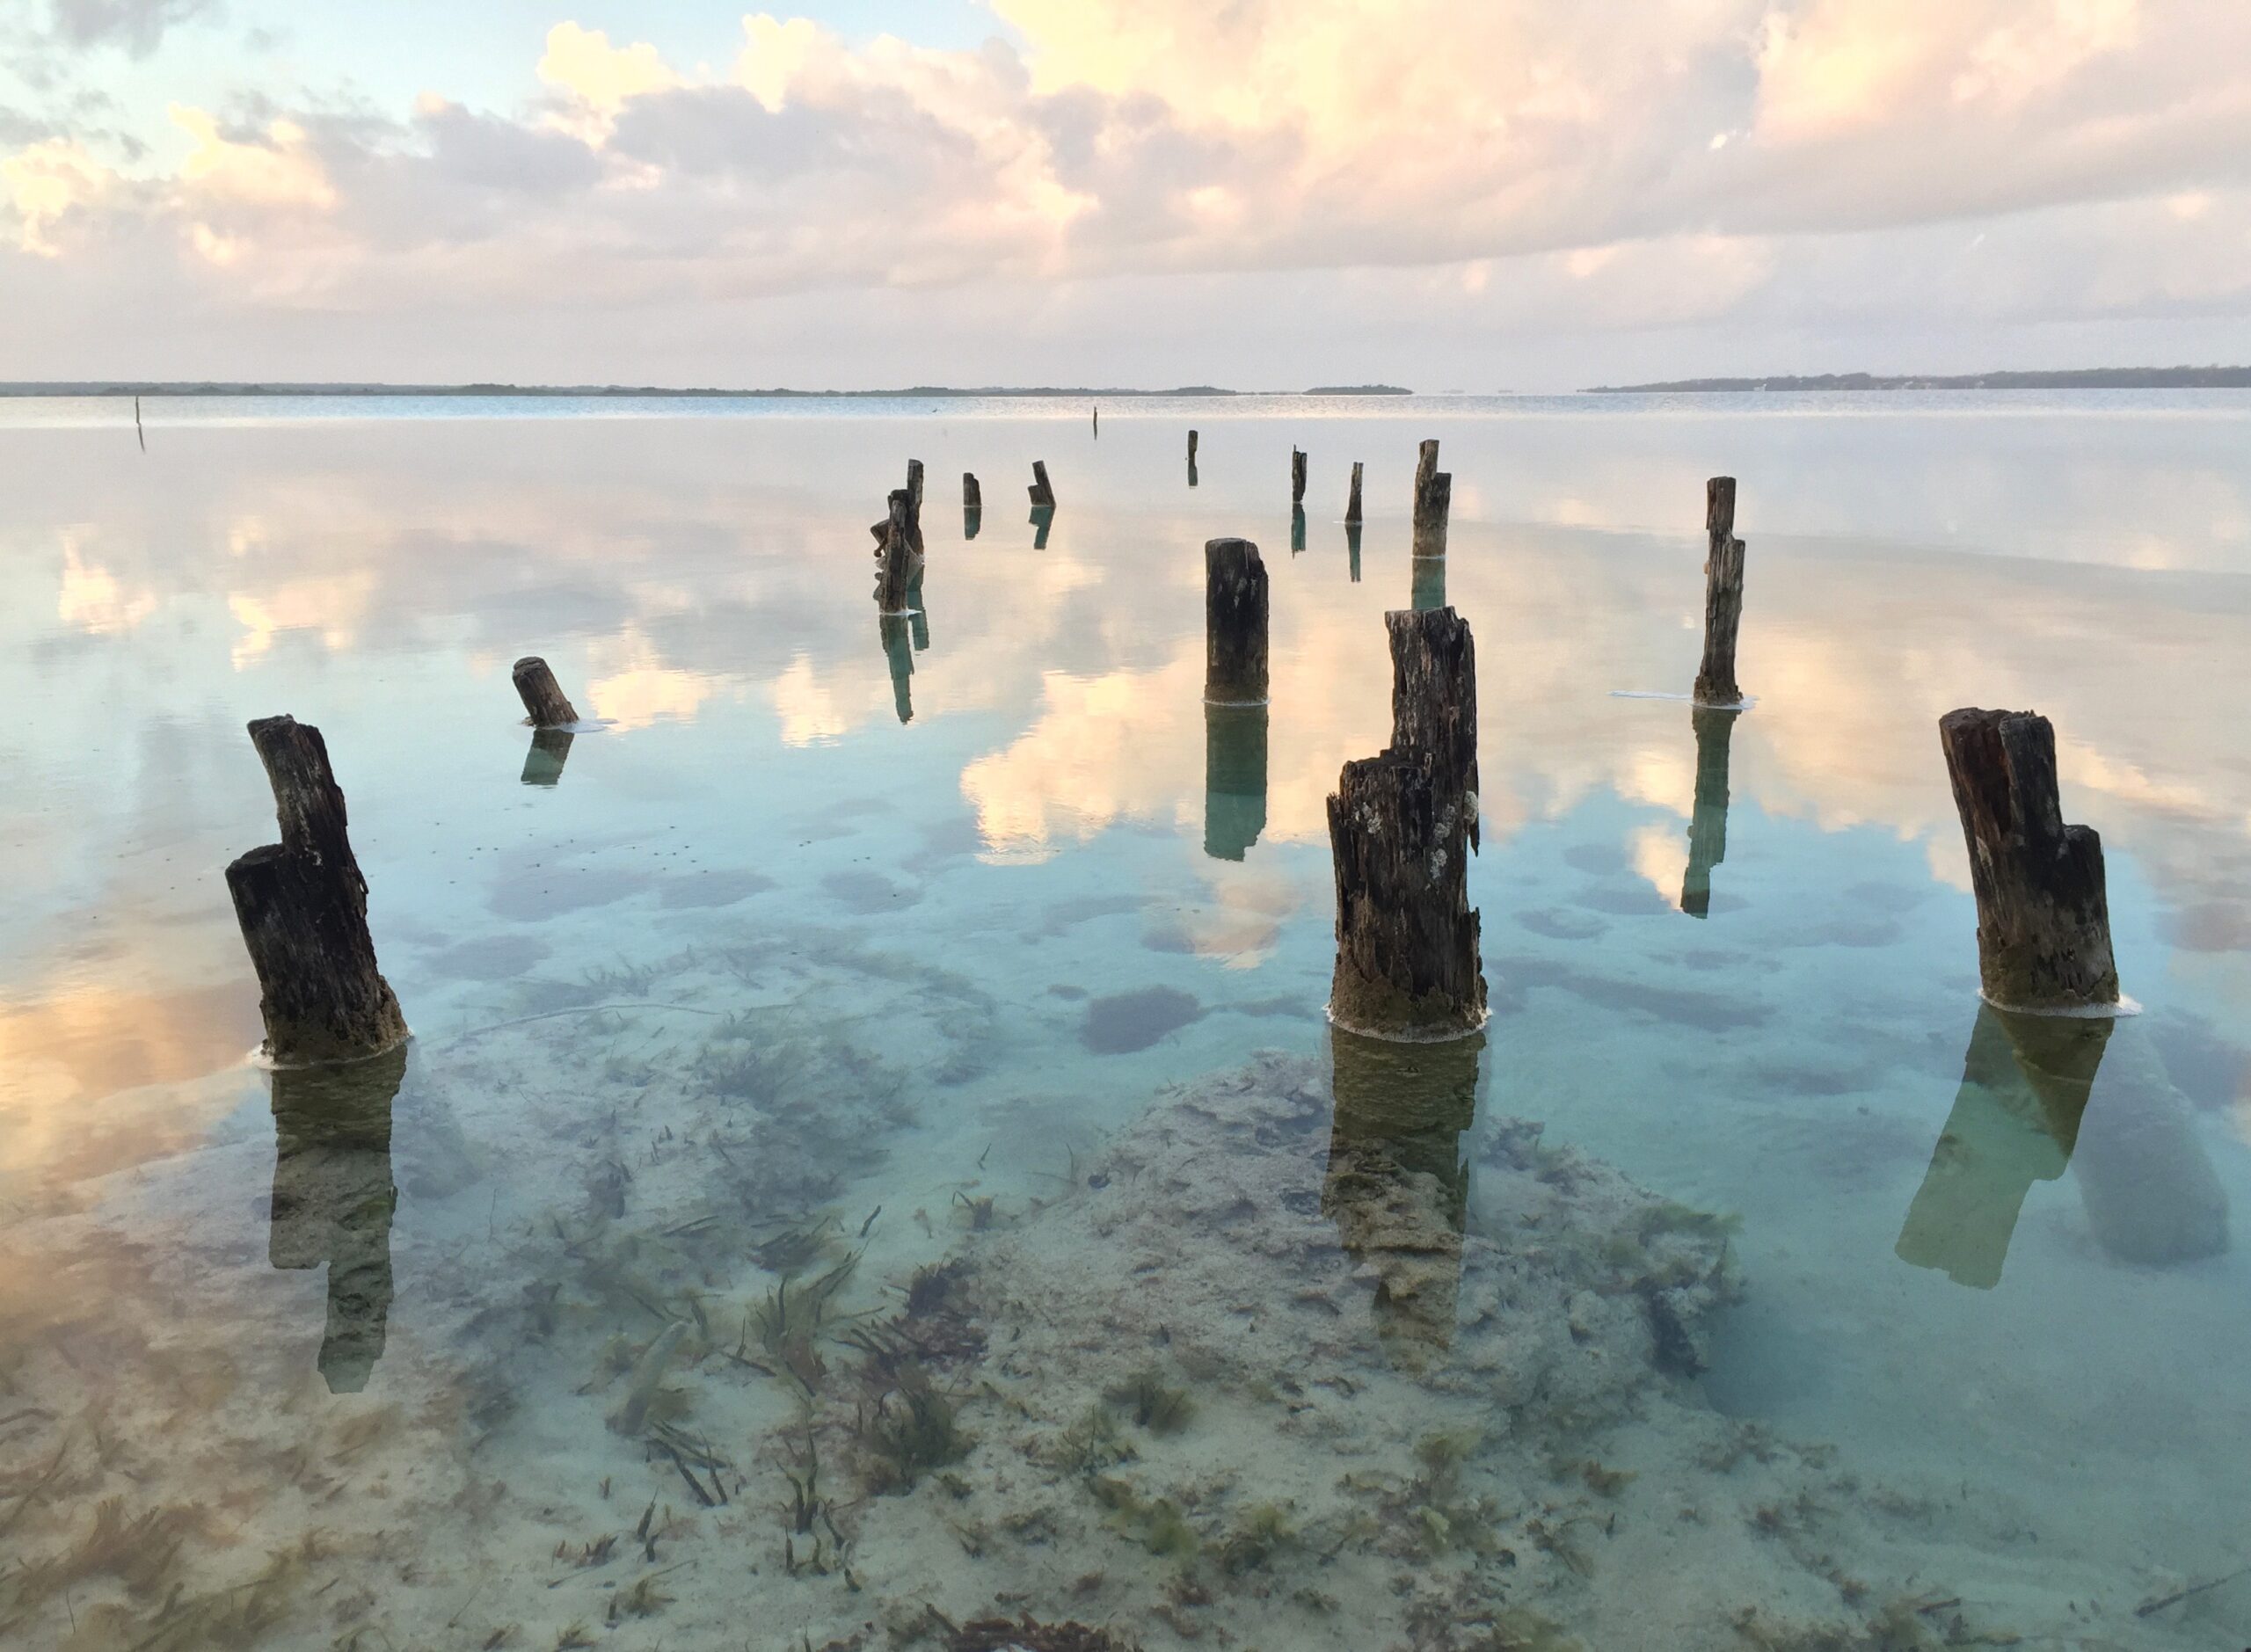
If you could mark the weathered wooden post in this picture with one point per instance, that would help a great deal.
(1297, 476)
(2043, 915)
(1097, 421)
(972, 506)
(898, 560)
(1234, 779)
(1716, 683)
(1715, 727)
(550, 749)
(302, 907)
(915, 485)
(1191, 458)
(897, 637)
(1433, 502)
(1353, 500)
(333, 1200)
(1434, 699)
(1235, 623)
(1042, 492)
(1397, 1186)
(1407, 958)
(545, 705)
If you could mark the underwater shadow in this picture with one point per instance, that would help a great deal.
(333, 1200)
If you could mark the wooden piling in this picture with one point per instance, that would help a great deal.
(1191, 446)
(2043, 914)
(1433, 502)
(915, 483)
(1716, 683)
(899, 560)
(1353, 500)
(1407, 942)
(972, 497)
(1297, 476)
(1434, 700)
(1042, 492)
(545, 705)
(302, 907)
(1235, 623)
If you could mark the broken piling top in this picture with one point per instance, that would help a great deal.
(545, 705)
(1716, 683)
(1235, 623)
(302, 907)
(1297, 476)
(1408, 966)
(2043, 913)
(1353, 500)
(1434, 699)
(1042, 492)
(1433, 502)
(915, 483)
(1191, 446)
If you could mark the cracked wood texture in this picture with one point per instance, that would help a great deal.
(899, 557)
(544, 701)
(302, 907)
(1434, 700)
(1407, 946)
(2043, 914)
(1716, 683)
(1234, 623)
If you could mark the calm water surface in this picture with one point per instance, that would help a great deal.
(928, 1022)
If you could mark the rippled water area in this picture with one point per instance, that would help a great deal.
(872, 1168)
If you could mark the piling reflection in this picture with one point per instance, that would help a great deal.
(1297, 529)
(1397, 1185)
(333, 1198)
(1192, 473)
(1429, 590)
(1234, 779)
(972, 519)
(2030, 1105)
(550, 749)
(1708, 824)
(896, 631)
(918, 611)
(1042, 518)
(1352, 547)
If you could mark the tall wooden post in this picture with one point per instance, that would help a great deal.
(545, 705)
(1042, 492)
(302, 907)
(1433, 502)
(899, 560)
(915, 483)
(1407, 941)
(1353, 500)
(972, 506)
(1716, 683)
(1235, 623)
(1715, 727)
(1191, 458)
(2043, 914)
(1434, 699)
(1297, 476)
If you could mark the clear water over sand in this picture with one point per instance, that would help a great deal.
(958, 1080)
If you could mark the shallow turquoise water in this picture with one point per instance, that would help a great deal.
(906, 966)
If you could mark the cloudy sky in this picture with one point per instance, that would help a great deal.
(1475, 194)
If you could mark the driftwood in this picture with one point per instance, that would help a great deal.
(1715, 727)
(302, 907)
(2043, 915)
(1297, 476)
(1407, 942)
(1235, 623)
(1353, 500)
(1042, 492)
(550, 749)
(1234, 779)
(545, 705)
(333, 1199)
(1433, 502)
(1716, 683)
(1434, 700)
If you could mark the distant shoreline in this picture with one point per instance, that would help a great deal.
(645, 392)
(2074, 379)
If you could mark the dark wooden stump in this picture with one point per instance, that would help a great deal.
(1407, 958)
(1352, 500)
(1297, 476)
(2043, 916)
(972, 497)
(550, 749)
(1397, 1183)
(899, 564)
(1234, 779)
(1716, 683)
(1714, 728)
(1192, 449)
(898, 639)
(1436, 503)
(545, 703)
(1042, 492)
(333, 1200)
(915, 485)
(302, 907)
(1434, 700)
(1235, 623)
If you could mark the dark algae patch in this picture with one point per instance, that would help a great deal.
(1126, 1022)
